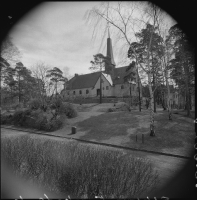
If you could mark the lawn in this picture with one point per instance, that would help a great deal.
(175, 136)
(121, 128)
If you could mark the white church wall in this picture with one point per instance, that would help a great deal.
(76, 93)
(124, 90)
(106, 87)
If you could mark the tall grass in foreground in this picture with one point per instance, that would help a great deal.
(79, 170)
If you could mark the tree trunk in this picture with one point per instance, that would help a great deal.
(131, 103)
(163, 96)
(11, 95)
(139, 89)
(168, 97)
(56, 89)
(154, 96)
(100, 88)
(187, 89)
(187, 101)
(190, 100)
(152, 128)
(19, 90)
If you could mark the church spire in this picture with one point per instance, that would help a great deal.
(109, 49)
(108, 29)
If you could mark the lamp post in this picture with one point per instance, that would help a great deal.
(100, 82)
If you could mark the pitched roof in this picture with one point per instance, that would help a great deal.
(119, 74)
(89, 80)
(83, 81)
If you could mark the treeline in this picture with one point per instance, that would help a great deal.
(171, 60)
(20, 84)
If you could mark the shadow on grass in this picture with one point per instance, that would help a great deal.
(184, 113)
(169, 134)
(107, 125)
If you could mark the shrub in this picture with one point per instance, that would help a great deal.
(125, 107)
(5, 119)
(54, 124)
(20, 117)
(111, 109)
(68, 110)
(18, 106)
(36, 113)
(34, 104)
(33, 119)
(79, 170)
(56, 103)
(41, 122)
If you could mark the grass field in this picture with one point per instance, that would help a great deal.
(121, 128)
(109, 173)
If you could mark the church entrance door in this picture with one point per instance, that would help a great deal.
(98, 92)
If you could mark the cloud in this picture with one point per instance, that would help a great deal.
(56, 34)
(56, 37)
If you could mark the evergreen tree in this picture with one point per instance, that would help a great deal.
(55, 75)
(182, 66)
(156, 51)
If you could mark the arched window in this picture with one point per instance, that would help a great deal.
(122, 87)
(73, 92)
(80, 92)
(107, 87)
(87, 91)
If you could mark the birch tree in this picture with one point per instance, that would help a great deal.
(123, 19)
(164, 63)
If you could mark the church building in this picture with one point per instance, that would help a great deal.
(113, 83)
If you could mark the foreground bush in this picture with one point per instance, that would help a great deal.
(111, 109)
(20, 117)
(79, 170)
(68, 110)
(36, 119)
(5, 119)
(56, 103)
(35, 104)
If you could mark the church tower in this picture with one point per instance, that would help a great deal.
(110, 55)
